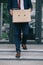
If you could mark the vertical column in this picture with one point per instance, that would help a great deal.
(38, 20)
(1, 20)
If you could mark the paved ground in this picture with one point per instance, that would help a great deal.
(12, 62)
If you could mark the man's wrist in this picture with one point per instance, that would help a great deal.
(11, 12)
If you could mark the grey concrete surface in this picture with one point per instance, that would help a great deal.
(24, 55)
(19, 62)
(34, 55)
(7, 51)
(31, 47)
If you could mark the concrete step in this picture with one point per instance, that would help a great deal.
(31, 48)
(24, 56)
(19, 62)
(4, 41)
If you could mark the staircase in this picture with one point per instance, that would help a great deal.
(33, 55)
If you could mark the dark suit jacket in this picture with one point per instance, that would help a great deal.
(14, 4)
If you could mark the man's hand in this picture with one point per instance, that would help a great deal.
(11, 12)
(30, 9)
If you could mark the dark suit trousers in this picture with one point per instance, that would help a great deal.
(17, 27)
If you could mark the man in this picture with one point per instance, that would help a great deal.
(17, 27)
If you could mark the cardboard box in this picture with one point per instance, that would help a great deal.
(20, 16)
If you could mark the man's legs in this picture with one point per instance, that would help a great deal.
(25, 29)
(16, 37)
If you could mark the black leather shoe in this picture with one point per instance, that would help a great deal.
(24, 46)
(18, 55)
